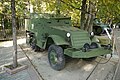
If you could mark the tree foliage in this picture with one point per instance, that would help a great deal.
(106, 10)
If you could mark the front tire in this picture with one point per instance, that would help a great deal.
(56, 57)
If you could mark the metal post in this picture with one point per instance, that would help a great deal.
(14, 34)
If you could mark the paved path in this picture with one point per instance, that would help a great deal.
(117, 43)
(75, 69)
(6, 58)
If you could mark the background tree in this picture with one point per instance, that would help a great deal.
(108, 10)
(15, 63)
(83, 12)
(79, 10)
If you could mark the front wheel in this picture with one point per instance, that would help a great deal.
(56, 57)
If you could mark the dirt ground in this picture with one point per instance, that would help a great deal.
(75, 69)
(6, 51)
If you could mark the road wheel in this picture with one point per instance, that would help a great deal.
(32, 43)
(56, 57)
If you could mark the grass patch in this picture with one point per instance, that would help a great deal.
(11, 66)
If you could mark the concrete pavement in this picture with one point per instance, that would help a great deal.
(75, 69)
(6, 58)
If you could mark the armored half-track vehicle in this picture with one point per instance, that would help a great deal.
(57, 35)
(102, 32)
(99, 27)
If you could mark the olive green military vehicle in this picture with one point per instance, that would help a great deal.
(99, 27)
(102, 32)
(57, 35)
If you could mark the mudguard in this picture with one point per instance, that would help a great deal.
(58, 40)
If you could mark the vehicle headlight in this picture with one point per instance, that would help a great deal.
(68, 34)
(92, 34)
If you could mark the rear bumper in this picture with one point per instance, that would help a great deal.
(92, 53)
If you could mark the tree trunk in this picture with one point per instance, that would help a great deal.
(3, 23)
(58, 7)
(90, 16)
(15, 63)
(82, 20)
(87, 22)
(92, 11)
(3, 27)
